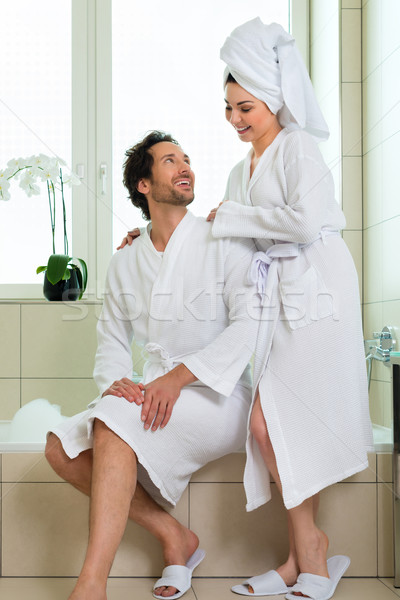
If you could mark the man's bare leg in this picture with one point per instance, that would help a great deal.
(178, 542)
(113, 486)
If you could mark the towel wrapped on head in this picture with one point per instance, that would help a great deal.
(265, 61)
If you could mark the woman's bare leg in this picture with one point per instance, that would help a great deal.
(307, 544)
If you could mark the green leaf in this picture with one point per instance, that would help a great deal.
(67, 274)
(41, 269)
(56, 267)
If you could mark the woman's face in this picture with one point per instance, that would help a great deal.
(250, 117)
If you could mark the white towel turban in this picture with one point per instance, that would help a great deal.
(265, 61)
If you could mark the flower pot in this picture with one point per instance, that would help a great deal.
(67, 290)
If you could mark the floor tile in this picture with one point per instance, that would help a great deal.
(59, 589)
(202, 589)
(348, 589)
(389, 581)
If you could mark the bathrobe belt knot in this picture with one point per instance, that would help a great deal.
(258, 270)
(159, 355)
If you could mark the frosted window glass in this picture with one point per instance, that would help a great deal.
(167, 75)
(35, 117)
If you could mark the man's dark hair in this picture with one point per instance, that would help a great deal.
(138, 166)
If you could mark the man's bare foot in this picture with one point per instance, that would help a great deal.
(178, 547)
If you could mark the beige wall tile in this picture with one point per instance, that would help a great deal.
(140, 553)
(373, 260)
(351, 45)
(373, 187)
(72, 395)
(351, 119)
(44, 529)
(390, 259)
(384, 467)
(353, 240)
(27, 467)
(352, 191)
(351, 3)
(226, 469)
(237, 543)
(9, 398)
(348, 516)
(10, 340)
(58, 340)
(371, 36)
(385, 530)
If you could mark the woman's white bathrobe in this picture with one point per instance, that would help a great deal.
(191, 305)
(309, 363)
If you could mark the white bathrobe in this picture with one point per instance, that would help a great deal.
(191, 304)
(309, 363)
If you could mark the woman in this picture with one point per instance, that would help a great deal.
(309, 425)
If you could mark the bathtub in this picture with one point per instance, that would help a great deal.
(383, 440)
(7, 446)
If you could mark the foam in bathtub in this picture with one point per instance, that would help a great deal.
(33, 421)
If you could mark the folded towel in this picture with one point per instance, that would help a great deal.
(265, 61)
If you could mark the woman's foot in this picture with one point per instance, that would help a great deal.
(312, 556)
(289, 572)
(178, 547)
(87, 590)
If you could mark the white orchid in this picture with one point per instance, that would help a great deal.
(28, 182)
(4, 186)
(30, 172)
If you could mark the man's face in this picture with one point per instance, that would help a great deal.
(172, 179)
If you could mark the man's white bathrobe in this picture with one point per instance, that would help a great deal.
(192, 305)
(309, 365)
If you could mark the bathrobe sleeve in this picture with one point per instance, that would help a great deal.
(221, 363)
(114, 336)
(307, 186)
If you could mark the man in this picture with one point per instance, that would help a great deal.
(184, 297)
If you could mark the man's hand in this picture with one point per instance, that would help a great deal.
(125, 388)
(130, 236)
(213, 212)
(161, 394)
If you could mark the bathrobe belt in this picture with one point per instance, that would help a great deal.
(156, 354)
(258, 271)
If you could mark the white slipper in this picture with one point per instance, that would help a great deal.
(267, 584)
(320, 588)
(179, 576)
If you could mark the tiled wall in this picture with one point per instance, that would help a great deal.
(335, 67)
(44, 529)
(381, 183)
(47, 351)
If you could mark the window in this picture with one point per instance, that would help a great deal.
(85, 81)
(35, 117)
(167, 75)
